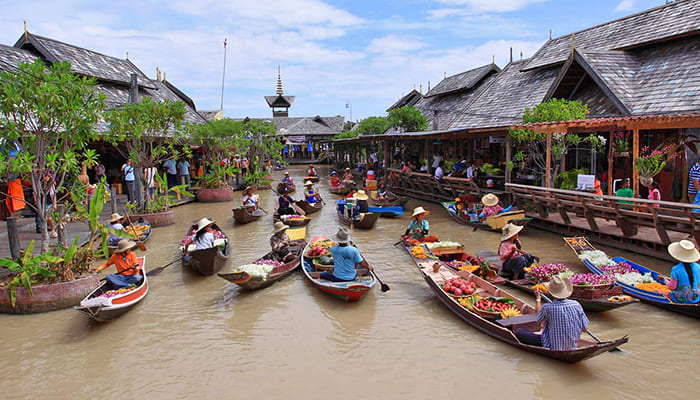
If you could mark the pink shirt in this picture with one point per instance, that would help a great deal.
(504, 248)
(490, 211)
(654, 195)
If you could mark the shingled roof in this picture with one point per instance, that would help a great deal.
(680, 18)
(462, 81)
(10, 57)
(310, 126)
(409, 99)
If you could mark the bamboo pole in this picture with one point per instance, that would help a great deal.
(635, 154)
(610, 164)
(548, 181)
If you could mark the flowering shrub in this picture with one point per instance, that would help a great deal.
(591, 279)
(621, 141)
(542, 273)
(651, 162)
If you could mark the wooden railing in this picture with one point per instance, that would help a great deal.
(668, 216)
(425, 186)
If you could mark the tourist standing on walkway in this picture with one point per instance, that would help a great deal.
(439, 174)
(625, 191)
(183, 167)
(694, 183)
(149, 177)
(654, 193)
(171, 172)
(128, 171)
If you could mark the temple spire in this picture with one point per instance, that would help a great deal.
(279, 81)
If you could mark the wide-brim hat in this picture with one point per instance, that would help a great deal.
(279, 227)
(489, 199)
(203, 223)
(342, 236)
(115, 217)
(347, 168)
(510, 230)
(559, 287)
(286, 172)
(308, 183)
(419, 210)
(684, 251)
(360, 195)
(124, 245)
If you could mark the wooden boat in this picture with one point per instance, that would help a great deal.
(390, 200)
(292, 222)
(504, 329)
(494, 223)
(363, 221)
(308, 207)
(208, 261)
(143, 237)
(244, 215)
(579, 244)
(342, 189)
(347, 291)
(248, 282)
(595, 301)
(290, 188)
(101, 308)
(312, 178)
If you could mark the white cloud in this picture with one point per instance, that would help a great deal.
(625, 5)
(394, 44)
(492, 5)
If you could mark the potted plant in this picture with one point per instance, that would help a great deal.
(489, 170)
(650, 162)
(621, 144)
(157, 212)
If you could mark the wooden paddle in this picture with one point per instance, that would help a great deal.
(587, 331)
(142, 246)
(292, 204)
(385, 287)
(158, 270)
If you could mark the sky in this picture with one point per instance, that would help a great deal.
(351, 58)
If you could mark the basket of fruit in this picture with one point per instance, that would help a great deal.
(440, 248)
(458, 287)
(323, 263)
(491, 307)
(319, 249)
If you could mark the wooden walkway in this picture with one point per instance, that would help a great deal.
(425, 187)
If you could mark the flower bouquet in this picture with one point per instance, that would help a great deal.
(542, 273)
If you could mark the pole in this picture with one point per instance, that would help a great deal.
(223, 78)
(548, 181)
(635, 154)
(13, 236)
(349, 105)
(611, 161)
(61, 228)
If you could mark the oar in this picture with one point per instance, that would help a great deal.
(158, 270)
(142, 246)
(587, 331)
(385, 287)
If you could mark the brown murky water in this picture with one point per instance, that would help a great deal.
(197, 337)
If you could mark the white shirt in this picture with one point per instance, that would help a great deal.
(436, 161)
(438, 173)
(250, 200)
(470, 172)
(150, 177)
(205, 241)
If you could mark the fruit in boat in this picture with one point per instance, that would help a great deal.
(510, 311)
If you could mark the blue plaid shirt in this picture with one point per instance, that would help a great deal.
(565, 320)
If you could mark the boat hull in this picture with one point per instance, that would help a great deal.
(208, 261)
(242, 215)
(248, 282)
(308, 207)
(366, 222)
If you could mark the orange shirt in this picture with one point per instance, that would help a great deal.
(123, 262)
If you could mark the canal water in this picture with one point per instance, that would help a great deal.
(197, 337)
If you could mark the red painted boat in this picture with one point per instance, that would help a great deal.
(99, 307)
(347, 291)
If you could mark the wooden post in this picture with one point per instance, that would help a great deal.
(548, 180)
(508, 157)
(610, 165)
(13, 236)
(113, 199)
(635, 154)
(60, 228)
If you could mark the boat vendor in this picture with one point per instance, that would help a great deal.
(346, 260)
(335, 181)
(311, 171)
(514, 259)
(361, 205)
(250, 199)
(283, 249)
(285, 202)
(309, 193)
(562, 320)
(288, 179)
(685, 276)
(348, 177)
(382, 190)
(418, 228)
(491, 206)
(203, 239)
(115, 222)
(128, 268)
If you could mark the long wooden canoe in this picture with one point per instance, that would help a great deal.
(390, 200)
(290, 188)
(308, 207)
(142, 237)
(347, 291)
(600, 304)
(579, 244)
(243, 215)
(493, 224)
(101, 305)
(342, 189)
(312, 178)
(208, 261)
(304, 220)
(249, 282)
(504, 329)
(363, 221)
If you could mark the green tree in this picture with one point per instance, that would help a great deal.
(216, 139)
(50, 114)
(346, 135)
(407, 119)
(372, 126)
(148, 133)
(535, 144)
(348, 125)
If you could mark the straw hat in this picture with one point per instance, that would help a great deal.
(124, 245)
(559, 287)
(115, 217)
(490, 200)
(308, 183)
(342, 236)
(347, 168)
(360, 195)
(279, 227)
(286, 172)
(418, 211)
(203, 223)
(510, 230)
(684, 251)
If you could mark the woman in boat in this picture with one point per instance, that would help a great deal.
(309, 193)
(418, 228)
(287, 180)
(491, 206)
(204, 238)
(250, 199)
(335, 181)
(685, 276)
(283, 249)
(514, 259)
(346, 260)
(285, 202)
(361, 205)
(562, 320)
(128, 268)
(115, 222)
(348, 177)
(311, 171)
(382, 190)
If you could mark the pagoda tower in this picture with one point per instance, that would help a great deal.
(280, 104)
